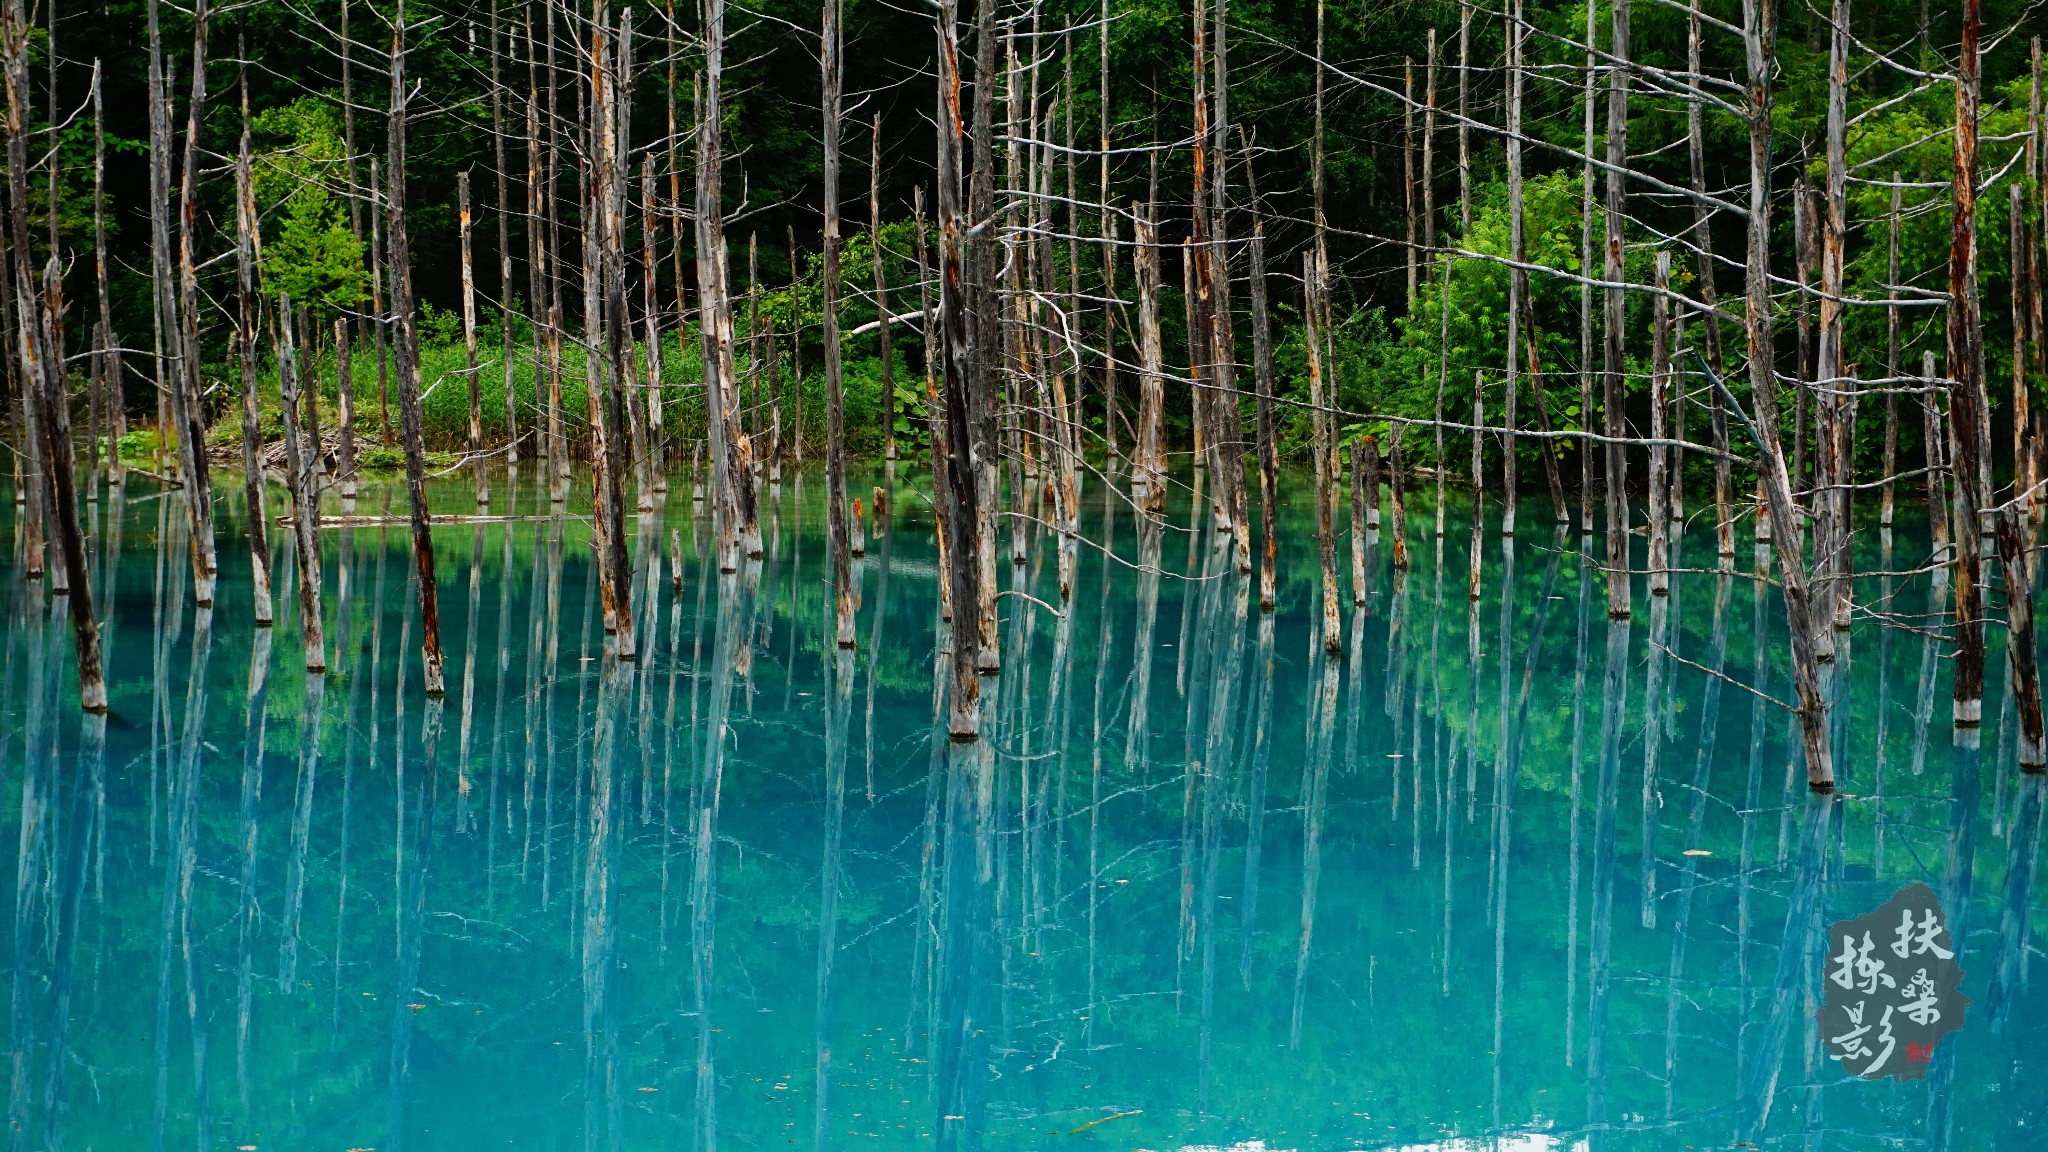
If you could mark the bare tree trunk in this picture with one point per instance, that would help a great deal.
(835, 417)
(1966, 387)
(1359, 475)
(345, 401)
(1313, 286)
(1407, 152)
(1586, 288)
(1269, 450)
(1776, 484)
(1703, 244)
(1616, 316)
(299, 457)
(109, 358)
(1148, 470)
(1518, 248)
(1831, 530)
(406, 357)
(732, 456)
(245, 347)
(960, 521)
(881, 294)
(1109, 258)
(1891, 356)
(654, 431)
(1660, 393)
(476, 408)
(55, 418)
(41, 344)
(192, 431)
(501, 180)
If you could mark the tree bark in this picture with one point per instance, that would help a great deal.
(1966, 383)
(299, 457)
(835, 417)
(406, 362)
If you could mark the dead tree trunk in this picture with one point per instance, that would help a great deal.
(732, 456)
(1311, 308)
(55, 419)
(406, 360)
(1776, 484)
(245, 346)
(1616, 315)
(960, 520)
(192, 433)
(1966, 384)
(1703, 243)
(1269, 451)
(1891, 356)
(1148, 470)
(881, 294)
(1660, 391)
(500, 181)
(476, 406)
(835, 416)
(300, 481)
(109, 359)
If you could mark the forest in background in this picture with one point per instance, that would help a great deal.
(1386, 347)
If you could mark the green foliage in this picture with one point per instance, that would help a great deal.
(309, 251)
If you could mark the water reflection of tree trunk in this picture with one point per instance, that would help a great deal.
(1508, 775)
(254, 715)
(310, 717)
(609, 807)
(416, 841)
(1255, 799)
(1653, 742)
(735, 612)
(1703, 760)
(966, 947)
(1571, 946)
(74, 861)
(1606, 799)
(1314, 795)
(836, 721)
(1797, 956)
(39, 787)
(1138, 734)
(174, 932)
(1105, 623)
(1958, 883)
(2015, 918)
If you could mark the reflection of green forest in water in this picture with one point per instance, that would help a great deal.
(506, 943)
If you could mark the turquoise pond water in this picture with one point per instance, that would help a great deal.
(1502, 875)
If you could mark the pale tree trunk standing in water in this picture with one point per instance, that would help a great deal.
(1313, 286)
(109, 359)
(881, 295)
(245, 347)
(39, 315)
(302, 482)
(476, 406)
(1965, 339)
(188, 387)
(1710, 327)
(1616, 315)
(406, 360)
(960, 516)
(835, 416)
(1148, 467)
(501, 180)
(739, 528)
(1775, 482)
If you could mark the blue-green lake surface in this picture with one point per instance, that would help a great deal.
(1504, 874)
